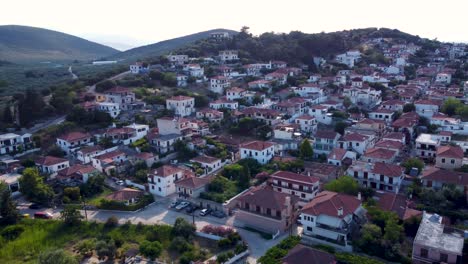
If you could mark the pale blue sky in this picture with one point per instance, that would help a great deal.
(145, 21)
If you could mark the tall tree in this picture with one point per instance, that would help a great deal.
(344, 184)
(71, 216)
(34, 188)
(306, 150)
(8, 210)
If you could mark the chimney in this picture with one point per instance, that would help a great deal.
(340, 211)
(359, 196)
(308, 173)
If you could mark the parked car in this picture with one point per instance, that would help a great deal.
(182, 205)
(205, 211)
(25, 216)
(219, 214)
(191, 208)
(35, 206)
(43, 215)
(174, 204)
(121, 183)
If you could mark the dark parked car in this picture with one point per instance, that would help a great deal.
(191, 208)
(35, 206)
(219, 214)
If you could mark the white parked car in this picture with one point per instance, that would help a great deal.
(181, 206)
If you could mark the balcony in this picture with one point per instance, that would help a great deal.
(333, 229)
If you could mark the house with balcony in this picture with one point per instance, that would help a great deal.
(72, 141)
(177, 59)
(228, 55)
(449, 157)
(181, 105)
(436, 242)
(78, 172)
(331, 218)
(307, 123)
(219, 84)
(235, 93)
(266, 210)
(225, 103)
(292, 107)
(162, 180)
(325, 141)
(406, 124)
(356, 142)
(209, 164)
(427, 144)
(211, 115)
(182, 80)
(85, 154)
(113, 109)
(320, 113)
(261, 151)
(12, 143)
(378, 175)
(107, 162)
(174, 125)
(164, 143)
(139, 67)
(194, 70)
(382, 114)
(302, 186)
(379, 155)
(268, 116)
(122, 96)
(50, 165)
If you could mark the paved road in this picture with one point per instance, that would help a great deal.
(92, 88)
(45, 124)
(74, 76)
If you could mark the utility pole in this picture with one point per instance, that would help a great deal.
(84, 206)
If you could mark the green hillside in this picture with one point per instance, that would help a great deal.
(21, 44)
(159, 48)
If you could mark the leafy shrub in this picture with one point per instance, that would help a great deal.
(151, 249)
(180, 245)
(12, 232)
(111, 222)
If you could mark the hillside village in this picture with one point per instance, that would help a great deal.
(363, 151)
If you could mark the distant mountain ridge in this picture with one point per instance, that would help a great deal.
(159, 48)
(31, 44)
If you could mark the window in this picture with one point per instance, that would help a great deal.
(257, 209)
(443, 160)
(452, 161)
(443, 257)
(268, 211)
(423, 253)
(309, 228)
(159, 189)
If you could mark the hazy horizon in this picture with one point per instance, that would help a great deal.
(123, 24)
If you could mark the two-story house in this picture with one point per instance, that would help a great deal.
(330, 219)
(11, 143)
(261, 151)
(208, 163)
(378, 175)
(219, 84)
(235, 93)
(449, 157)
(50, 165)
(302, 186)
(162, 180)
(427, 108)
(72, 141)
(427, 144)
(356, 142)
(307, 123)
(122, 96)
(436, 242)
(181, 105)
(325, 141)
(267, 210)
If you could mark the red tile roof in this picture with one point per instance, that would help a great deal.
(74, 136)
(257, 145)
(304, 254)
(337, 154)
(389, 144)
(294, 177)
(180, 98)
(169, 170)
(354, 137)
(205, 159)
(49, 160)
(445, 176)
(265, 197)
(397, 203)
(193, 182)
(379, 153)
(125, 194)
(328, 203)
(450, 152)
(327, 134)
(389, 170)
